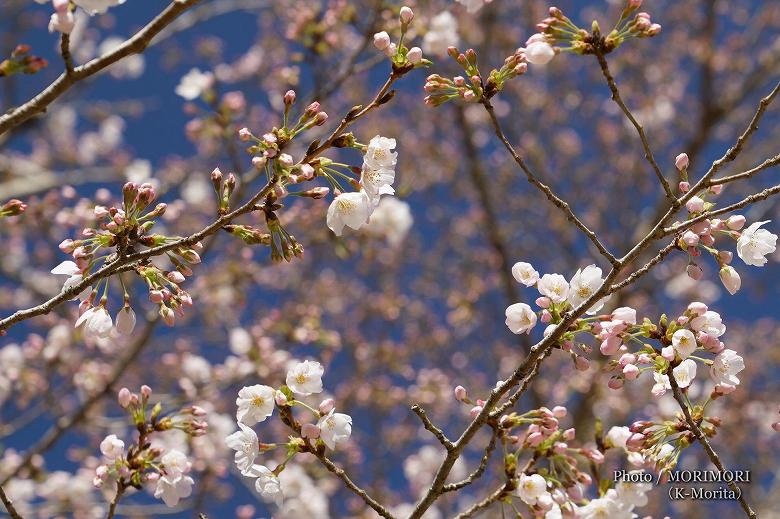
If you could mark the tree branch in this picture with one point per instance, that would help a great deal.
(702, 438)
(639, 129)
(420, 412)
(551, 196)
(135, 45)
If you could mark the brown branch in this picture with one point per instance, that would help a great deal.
(756, 197)
(702, 438)
(66, 55)
(339, 473)
(551, 196)
(420, 412)
(120, 489)
(639, 129)
(471, 478)
(9, 505)
(135, 45)
(497, 495)
(768, 163)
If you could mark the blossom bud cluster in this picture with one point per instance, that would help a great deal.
(553, 448)
(257, 403)
(753, 244)
(164, 471)
(21, 61)
(403, 59)
(12, 208)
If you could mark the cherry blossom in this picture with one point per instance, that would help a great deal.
(245, 443)
(305, 378)
(685, 372)
(349, 209)
(725, 367)
(520, 318)
(70, 269)
(174, 484)
(97, 6)
(684, 343)
(96, 322)
(442, 34)
(755, 243)
(267, 484)
(194, 83)
(335, 428)
(112, 447)
(530, 488)
(255, 404)
(525, 273)
(554, 286)
(584, 284)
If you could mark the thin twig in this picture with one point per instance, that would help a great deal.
(120, 489)
(551, 196)
(339, 473)
(420, 412)
(768, 163)
(66, 55)
(705, 443)
(9, 505)
(639, 129)
(756, 197)
(471, 478)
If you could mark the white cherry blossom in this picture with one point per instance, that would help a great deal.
(245, 443)
(267, 484)
(194, 83)
(97, 323)
(685, 373)
(70, 269)
(554, 286)
(709, 323)
(725, 367)
(755, 243)
(305, 378)
(684, 343)
(520, 318)
(525, 273)
(255, 404)
(530, 488)
(335, 428)
(112, 447)
(351, 209)
(583, 285)
(97, 6)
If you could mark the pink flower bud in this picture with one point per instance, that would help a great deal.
(259, 162)
(684, 186)
(725, 256)
(697, 308)
(730, 279)
(534, 439)
(244, 134)
(406, 15)
(280, 398)
(560, 448)
(124, 397)
(460, 393)
(543, 302)
(776, 426)
(289, 97)
(326, 406)
(681, 161)
(716, 189)
(546, 316)
(708, 240)
(690, 238)
(630, 371)
(414, 55)
(569, 434)
(626, 359)
(667, 352)
(694, 271)
(695, 205)
(146, 391)
(735, 222)
(581, 363)
(559, 411)
(615, 383)
(475, 411)
(381, 40)
(175, 277)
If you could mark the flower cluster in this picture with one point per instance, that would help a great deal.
(257, 403)
(120, 232)
(557, 296)
(558, 30)
(354, 209)
(404, 59)
(753, 244)
(552, 483)
(141, 464)
(21, 61)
